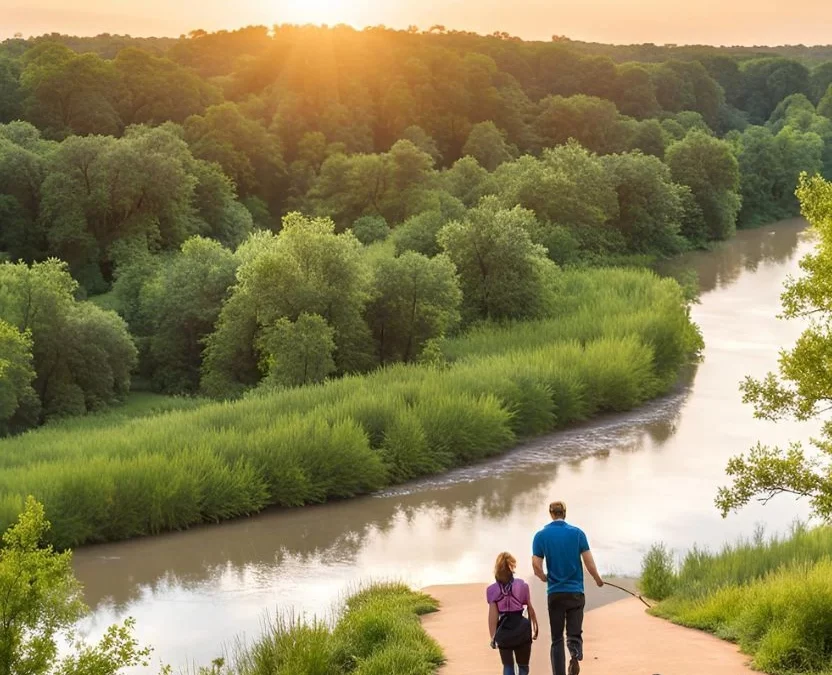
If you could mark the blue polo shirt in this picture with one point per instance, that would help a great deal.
(561, 545)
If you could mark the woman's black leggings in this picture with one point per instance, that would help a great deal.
(522, 654)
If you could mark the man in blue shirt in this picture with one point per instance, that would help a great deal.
(564, 548)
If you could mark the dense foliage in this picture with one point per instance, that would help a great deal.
(310, 118)
(801, 387)
(67, 357)
(284, 206)
(40, 605)
(772, 597)
(620, 338)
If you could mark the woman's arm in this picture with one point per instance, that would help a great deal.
(533, 619)
(493, 615)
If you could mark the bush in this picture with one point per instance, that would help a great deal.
(370, 229)
(657, 574)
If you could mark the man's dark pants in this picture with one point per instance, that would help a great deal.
(566, 610)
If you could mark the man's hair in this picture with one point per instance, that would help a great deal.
(558, 509)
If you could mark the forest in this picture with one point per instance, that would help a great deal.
(279, 206)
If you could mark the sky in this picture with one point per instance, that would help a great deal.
(718, 22)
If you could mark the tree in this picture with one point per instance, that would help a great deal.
(825, 105)
(687, 85)
(593, 122)
(369, 229)
(796, 110)
(502, 273)
(820, 79)
(24, 160)
(145, 186)
(419, 137)
(802, 387)
(487, 144)
(68, 93)
(82, 355)
(648, 136)
(11, 98)
(41, 605)
(247, 152)
(418, 233)
(634, 92)
(760, 168)
(19, 404)
(710, 169)
(650, 205)
(770, 167)
(155, 90)
(300, 352)
(415, 299)
(567, 187)
(766, 82)
(393, 185)
(468, 181)
(306, 268)
(180, 305)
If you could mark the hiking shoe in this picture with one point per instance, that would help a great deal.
(574, 667)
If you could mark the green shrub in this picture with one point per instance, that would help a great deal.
(657, 576)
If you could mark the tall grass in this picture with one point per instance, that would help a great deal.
(378, 633)
(773, 597)
(358, 434)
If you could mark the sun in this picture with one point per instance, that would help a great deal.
(329, 12)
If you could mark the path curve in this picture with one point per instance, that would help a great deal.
(620, 638)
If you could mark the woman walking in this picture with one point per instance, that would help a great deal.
(511, 632)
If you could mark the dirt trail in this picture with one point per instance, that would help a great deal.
(620, 638)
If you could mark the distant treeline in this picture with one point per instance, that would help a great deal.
(362, 193)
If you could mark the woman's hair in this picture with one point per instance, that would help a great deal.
(504, 568)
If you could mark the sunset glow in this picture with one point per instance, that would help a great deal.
(636, 21)
(329, 12)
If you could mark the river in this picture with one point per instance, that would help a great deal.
(629, 480)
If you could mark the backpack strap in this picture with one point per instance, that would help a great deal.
(508, 591)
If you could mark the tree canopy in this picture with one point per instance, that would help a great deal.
(802, 387)
(41, 605)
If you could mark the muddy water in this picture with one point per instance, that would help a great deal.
(629, 480)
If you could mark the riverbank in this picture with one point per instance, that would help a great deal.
(620, 637)
(772, 597)
(621, 338)
(218, 581)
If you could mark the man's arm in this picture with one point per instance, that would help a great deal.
(589, 561)
(537, 566)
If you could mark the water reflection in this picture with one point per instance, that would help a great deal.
(630, 480)
(116, 575)
(772, 244)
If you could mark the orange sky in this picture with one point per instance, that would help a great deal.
(744, 22)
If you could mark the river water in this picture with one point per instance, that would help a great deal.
(629, 480)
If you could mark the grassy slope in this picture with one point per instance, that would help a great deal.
(379, 633)
(774, 598)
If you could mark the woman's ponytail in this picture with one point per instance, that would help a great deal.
(504, 568)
